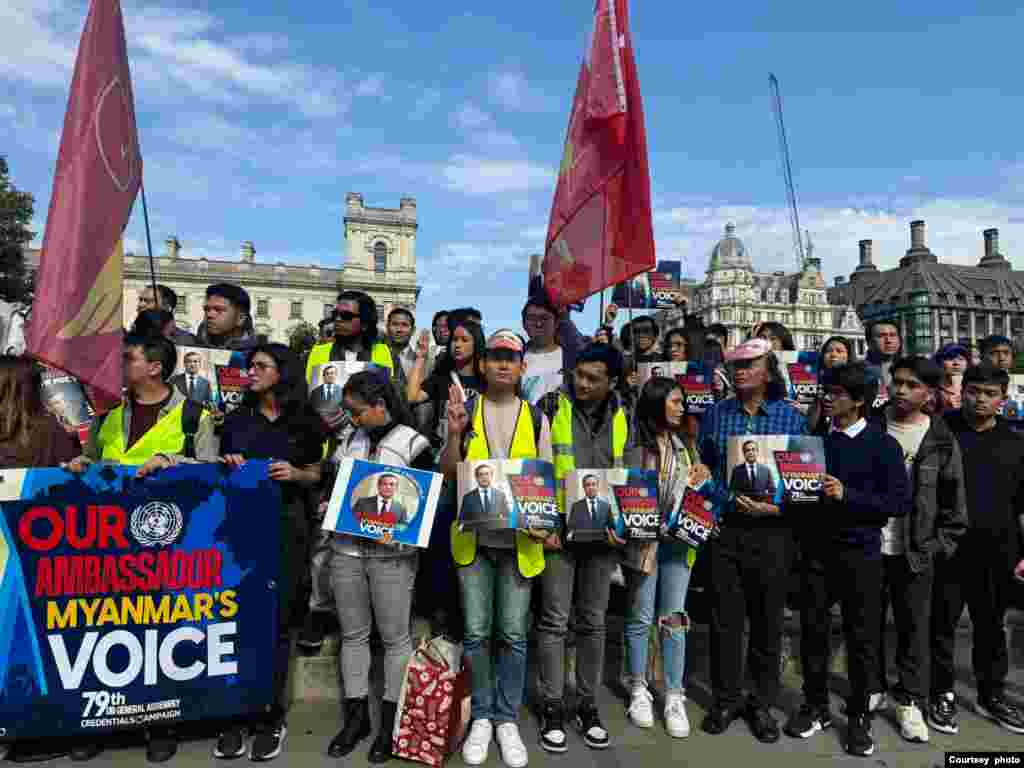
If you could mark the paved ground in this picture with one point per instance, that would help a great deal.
(312, 725)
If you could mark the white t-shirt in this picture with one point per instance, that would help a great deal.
(909, 436)
(543, 374)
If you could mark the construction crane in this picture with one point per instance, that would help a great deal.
(787, 173)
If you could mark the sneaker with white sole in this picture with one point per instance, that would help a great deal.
(912, 725)
(589, 724)
(231, 744)
(676, 722)
(942, 713)
(268, 743)
(513, 751)
(999, 710)
(474, 749)
(552, 728)
(641, 707)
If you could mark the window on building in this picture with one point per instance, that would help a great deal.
(764, 295)
(780, 297)
(726, 315)
(296, 311)
(380, 257)
(1016, 325)
(757, 317)
(980, 324)
(963, 327)
(946, 325)
(997, 325)
(262, 308)
(181, 309)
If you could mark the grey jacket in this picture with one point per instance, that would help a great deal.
(938, 515)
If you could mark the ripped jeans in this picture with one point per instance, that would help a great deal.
(666, 590)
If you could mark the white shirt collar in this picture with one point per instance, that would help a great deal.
(854, 429)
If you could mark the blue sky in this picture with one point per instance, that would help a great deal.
(256, 118)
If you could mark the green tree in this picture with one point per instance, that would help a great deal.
(301, 338)
(16, 209)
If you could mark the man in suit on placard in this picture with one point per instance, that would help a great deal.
(485, 503)
(750, 478)
(382, 508)
(329, 393)
(190, 383)
(591, 512)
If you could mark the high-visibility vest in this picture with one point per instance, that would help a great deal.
(529, 551)
(166, 436)
(380, 355)
(562, 444)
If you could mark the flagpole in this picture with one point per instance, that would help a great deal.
(149, 245)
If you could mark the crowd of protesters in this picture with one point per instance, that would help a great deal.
(921, 509)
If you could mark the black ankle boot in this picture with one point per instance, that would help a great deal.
(357, 728)
(380, 752)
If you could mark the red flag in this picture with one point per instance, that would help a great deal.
(76, 317)
(600, 232)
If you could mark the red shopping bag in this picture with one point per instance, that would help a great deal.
(434, 703)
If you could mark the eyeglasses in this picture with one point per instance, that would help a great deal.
(345, 316)
(262, 366)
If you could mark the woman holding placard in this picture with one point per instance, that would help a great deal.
(658, 573)
(374, 580)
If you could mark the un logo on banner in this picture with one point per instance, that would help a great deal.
(156, 523)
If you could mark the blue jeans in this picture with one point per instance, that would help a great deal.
(495, 602)
(665, 587)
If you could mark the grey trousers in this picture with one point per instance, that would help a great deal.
(588, 574)
(321, 594)
(368, 589)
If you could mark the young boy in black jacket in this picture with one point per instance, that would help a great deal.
(840, 539)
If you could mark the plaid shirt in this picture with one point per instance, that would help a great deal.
(727, 418)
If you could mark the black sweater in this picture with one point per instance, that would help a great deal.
(875, 487)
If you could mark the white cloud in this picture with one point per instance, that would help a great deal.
(510, 89)
(470, 174)
(953, 231)
(471, 117)
(38, 40)
(370, 86)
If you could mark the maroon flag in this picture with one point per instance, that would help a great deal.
(600, 232)
(76, 317)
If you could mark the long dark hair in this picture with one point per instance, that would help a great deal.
(650, 410)
(373, 387)
(851, 355)
(447, 363)
(666, 344)
(368, 317)
(21, 402)
(779, 331)
(290, 390)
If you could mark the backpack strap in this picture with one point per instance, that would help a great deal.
(537, 416)
(191, 415)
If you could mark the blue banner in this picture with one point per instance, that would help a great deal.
(126, 603)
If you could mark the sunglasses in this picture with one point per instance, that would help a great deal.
(345, 316)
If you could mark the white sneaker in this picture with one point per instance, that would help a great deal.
(912, 725)
(474, 749)
(513, 751)
(675, 716)
(641, 707)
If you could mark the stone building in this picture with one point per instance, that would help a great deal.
(379, 258)
(738, 296)
(934, 303)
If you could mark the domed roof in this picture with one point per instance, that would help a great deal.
(730, 252)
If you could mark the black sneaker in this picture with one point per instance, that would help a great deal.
(311, 636)
(231, 744)
(764, 727)
(161, 746)
(807, 722)
(942, 713)
(267, 743)
(999, 710)
(588, 723)
(858, 736)
(552, 728)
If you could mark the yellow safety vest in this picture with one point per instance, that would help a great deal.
(166, 436)
(562, 444)
(529, 551)
(380, 355)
